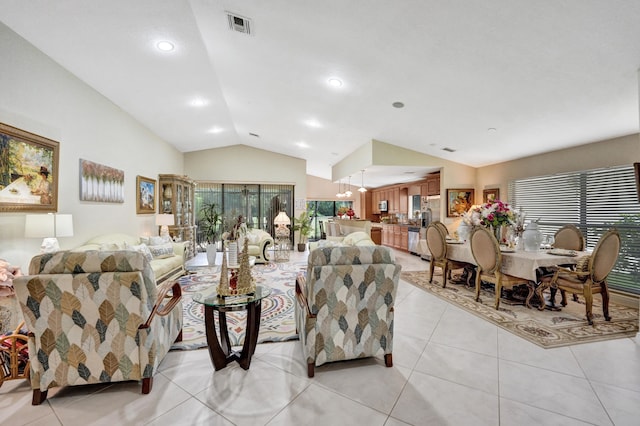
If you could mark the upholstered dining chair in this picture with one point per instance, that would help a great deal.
(442, 227)
(486, 252)
(437, 244)
(594, 278)
(569, 237)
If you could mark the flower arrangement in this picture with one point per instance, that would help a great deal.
(7, 274)
(494, 213)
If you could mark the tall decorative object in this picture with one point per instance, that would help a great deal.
(241, 281)
(177, 198)
(223, 286)
(244, 273)
(232, 252)
(532, 237)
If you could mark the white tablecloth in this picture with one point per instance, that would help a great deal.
(522, 264)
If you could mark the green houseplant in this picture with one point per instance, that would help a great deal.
(210, 222)
(302, 224)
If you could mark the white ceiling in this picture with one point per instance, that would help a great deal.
(546, 74)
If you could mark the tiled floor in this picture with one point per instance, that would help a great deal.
(449, 368)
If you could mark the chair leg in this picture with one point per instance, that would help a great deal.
(498, 294)
(478, 286)
(431, 269)
(445, 270)
(388, 360)
(147, 384)
(563, 302)
(38, 397)
(605, 301)
(310, 369)
(588, 301)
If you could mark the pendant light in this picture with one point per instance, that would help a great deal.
(339, 194)
(362, 188)
(348, 192)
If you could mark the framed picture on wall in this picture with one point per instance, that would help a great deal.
(459, 201)
(145, 195)
(101, 183)
(490, 195)
(28, 171)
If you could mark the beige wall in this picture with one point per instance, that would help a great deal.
(325, 190)
(613, 152)
(39, 96)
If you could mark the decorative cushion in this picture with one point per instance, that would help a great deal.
(162, 251)
(112, 246)
(353, 238)
(582, 265)
(142, 248)
(158, 241)
(329, 243)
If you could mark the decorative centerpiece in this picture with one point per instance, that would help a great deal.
(494, 214)
(240, 282)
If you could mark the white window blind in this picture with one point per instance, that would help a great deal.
(595, 201)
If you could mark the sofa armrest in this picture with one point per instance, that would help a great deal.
(301, 282)
(163, 309)
(180, 248)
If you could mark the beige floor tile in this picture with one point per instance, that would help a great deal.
(15, 404)
(463, 330)
(407, 350)
(121, 403)
(556, 392)
(191, 412)
(514, 348)
(362, 373)
(460, 366)
(319, 406)
(254, 396)
(513, 413)
(428, 400)
(622, 405)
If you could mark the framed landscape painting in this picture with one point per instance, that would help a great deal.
(145, 195)
(490, 195)
(28, 171)
(459, 201)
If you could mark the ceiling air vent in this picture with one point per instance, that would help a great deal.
(449, 149)
(239, 23)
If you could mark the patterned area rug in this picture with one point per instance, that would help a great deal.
(277, 322)
(548, 329)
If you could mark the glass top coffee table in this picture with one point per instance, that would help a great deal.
(220, 349)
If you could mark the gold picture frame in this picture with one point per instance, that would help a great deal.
(490, 195)
(146, 190)
(28, 171)
(459, 201)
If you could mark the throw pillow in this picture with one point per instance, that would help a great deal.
(158, 241)
(353, 238)
(142, 248)
(162, 251)
(111, 246)
(329, 243)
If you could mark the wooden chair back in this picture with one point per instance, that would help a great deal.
(436, 242)
(604, 256)
(485, 250)
(569, 237)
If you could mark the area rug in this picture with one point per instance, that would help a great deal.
(277, 322)
(548, 329)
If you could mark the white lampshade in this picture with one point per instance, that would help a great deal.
(165, 219)
(39, 226)
(282, 219)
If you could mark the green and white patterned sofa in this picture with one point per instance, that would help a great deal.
(345, 304)
(96, 317)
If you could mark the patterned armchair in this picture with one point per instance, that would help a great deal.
(94, 317)
(344, 305)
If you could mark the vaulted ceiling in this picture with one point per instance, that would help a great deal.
(491, 81)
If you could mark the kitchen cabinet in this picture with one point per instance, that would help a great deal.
(376, 235)
(432, 185)
(404, 238)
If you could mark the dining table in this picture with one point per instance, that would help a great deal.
(528, 265)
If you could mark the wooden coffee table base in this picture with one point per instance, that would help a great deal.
(220, 350)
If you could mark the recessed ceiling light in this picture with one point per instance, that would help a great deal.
(313, 123)
(335, 82)
(398, 105)
(165, 46)
(199, 102)
(216, 129)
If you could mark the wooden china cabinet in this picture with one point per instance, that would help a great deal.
(177, 198)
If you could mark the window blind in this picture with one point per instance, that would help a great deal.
(595, 201)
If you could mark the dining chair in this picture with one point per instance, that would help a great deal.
(437, 244)
(569, 237)
(486, 252)
(594, 278)
(442, 227)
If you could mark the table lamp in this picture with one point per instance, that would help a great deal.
(282, 220)
(48, 226)
(164, 221)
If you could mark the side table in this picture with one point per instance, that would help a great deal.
(219, 348)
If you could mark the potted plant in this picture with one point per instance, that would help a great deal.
(302, 224)
(210, 221)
